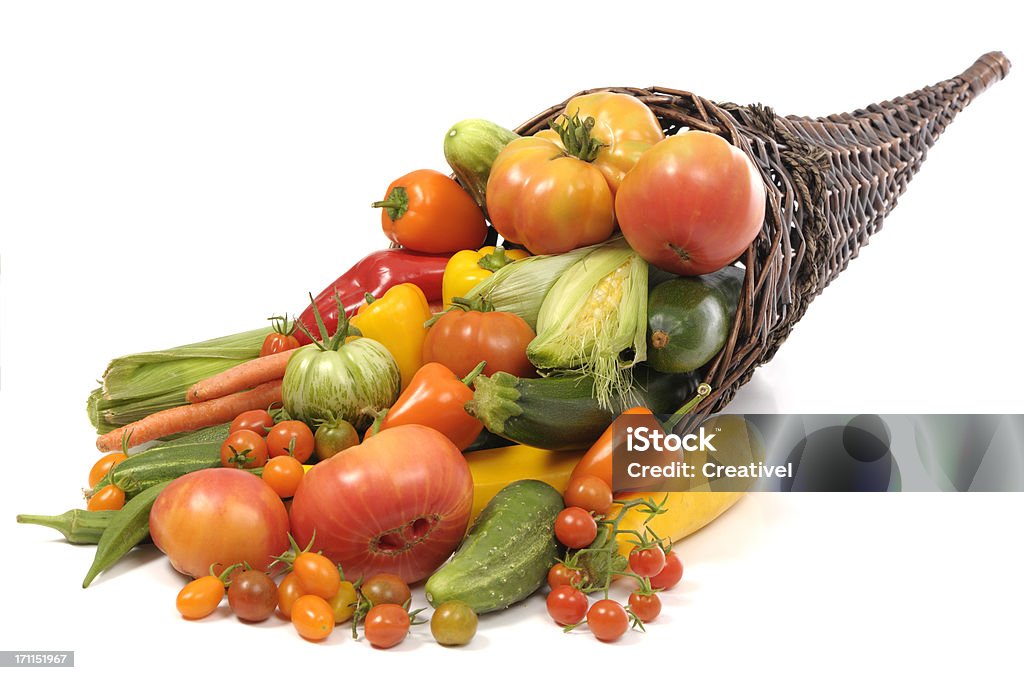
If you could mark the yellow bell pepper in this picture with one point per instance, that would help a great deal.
(494, 469)
(396, 320)
(467, 268)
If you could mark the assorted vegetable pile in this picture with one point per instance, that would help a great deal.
(441, 413)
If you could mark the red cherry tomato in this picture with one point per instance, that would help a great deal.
(590, 493)
(645, 607)
(291, 438)
(647, 561)
(243, 449)
(386, 625)
(575, 528)
(670, 574)
(607, 620)
(256, 421)
(566, 605)
(561, 575)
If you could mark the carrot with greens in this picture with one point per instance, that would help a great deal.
(192, 416)
(241, 377)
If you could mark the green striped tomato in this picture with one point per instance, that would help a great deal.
(329, 384)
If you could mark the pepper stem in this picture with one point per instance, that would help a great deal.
(468, 380)
(396, 204)
(494, 261)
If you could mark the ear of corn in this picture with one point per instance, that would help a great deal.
(138, 385)
(520, 287)
(594, 320)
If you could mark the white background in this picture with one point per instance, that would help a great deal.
(176, 171)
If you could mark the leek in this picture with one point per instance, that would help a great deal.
(593, 321)
(137, 385)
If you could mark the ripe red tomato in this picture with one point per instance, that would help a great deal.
(460, 340)
(590, 493)
(243, 449)
(561, 575)
(647, 561)
(386, 625)
(276, 343)
(670, 574)
(575, 528)
(256, 421)
(691, 204)
(646, 607)
(566, 605)
(218, 515)
(291, 438)
(607, 620)
(397, 503)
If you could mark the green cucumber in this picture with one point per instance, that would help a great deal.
(162, 463)
(689, 319)
(562, 412)
(470, 148)
(507, 553)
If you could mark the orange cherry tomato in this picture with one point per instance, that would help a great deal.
(109, 497)
(104, 465)
(312, 617)
(201, 597)
(317, 575)
(590, 493)
(288, 591)
(428, 211)
(283, 474)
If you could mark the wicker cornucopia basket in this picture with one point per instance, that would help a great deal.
(831, 181)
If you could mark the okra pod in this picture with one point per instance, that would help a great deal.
(128, 528)
(79, 526)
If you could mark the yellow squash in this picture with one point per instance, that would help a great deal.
(494, 469)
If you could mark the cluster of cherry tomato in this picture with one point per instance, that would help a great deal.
(110, 496)
(315, 597)
(255, 441)
(653, 569)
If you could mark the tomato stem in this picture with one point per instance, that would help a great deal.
(576, 136)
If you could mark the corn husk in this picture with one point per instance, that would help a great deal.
(138, 385)
(593, 321)
(520, 287)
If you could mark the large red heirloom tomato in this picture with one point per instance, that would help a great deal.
(218, 516)
(691, 204)
(398, 503)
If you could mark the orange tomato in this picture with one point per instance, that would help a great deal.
(108, 498)
(104, 465)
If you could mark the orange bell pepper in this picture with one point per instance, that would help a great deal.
(437, 398)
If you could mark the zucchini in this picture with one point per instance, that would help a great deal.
(689, 319)
(470, 148)
(162, 463)
(507, 553)
(562, 412)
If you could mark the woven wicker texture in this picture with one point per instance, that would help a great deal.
(831, 181)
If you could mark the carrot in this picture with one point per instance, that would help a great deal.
(241, 377)
(192, 416)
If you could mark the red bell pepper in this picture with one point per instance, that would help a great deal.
(375, 274)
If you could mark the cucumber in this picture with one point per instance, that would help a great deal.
(562, 412)
(162, 463)
(689, 319)
(470, 148)
(507, 553)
